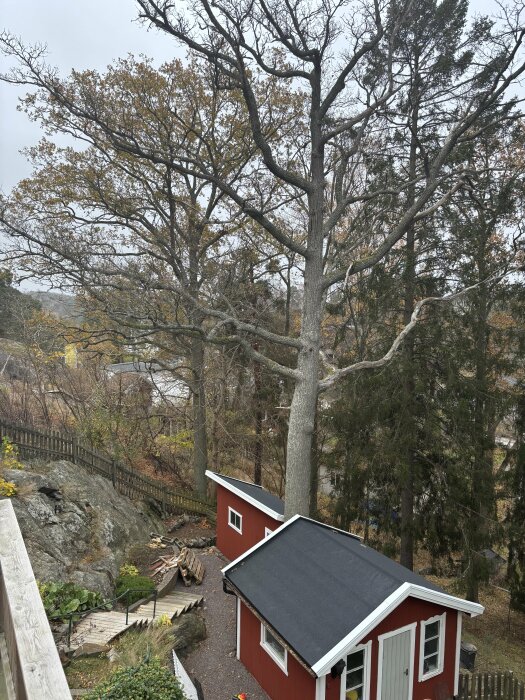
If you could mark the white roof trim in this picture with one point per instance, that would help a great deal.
(404, 591)
(259, 544)
(252, 501)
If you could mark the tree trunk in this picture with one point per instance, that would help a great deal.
(304, 401)
(482, 484)
(200, 439)
(314, 481)
(258, 446)
(408, 419)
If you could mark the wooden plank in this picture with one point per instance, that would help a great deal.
(36, 667)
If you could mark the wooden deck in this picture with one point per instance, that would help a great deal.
(100, 628)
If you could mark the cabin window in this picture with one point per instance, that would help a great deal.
(274, 648)
(432, 647)
(355, 677)
(235, 520)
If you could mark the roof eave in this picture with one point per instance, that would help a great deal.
(252, 501)
(340, 650)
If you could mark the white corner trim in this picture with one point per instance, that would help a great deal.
(239, 515)
(442, 619)
(282, 663)
(340, 650)
(320, 688)
(458, 652)
(238, 630)
(252, 501)
(259, 544)
(407, 628)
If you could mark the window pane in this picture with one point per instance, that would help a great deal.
(355, 660)
(432, 630)
(274, 644)
(431, 647)
(430, 664)
(354, 679)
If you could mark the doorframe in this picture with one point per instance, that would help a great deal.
(407, 628)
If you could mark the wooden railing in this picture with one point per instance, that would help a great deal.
(490, 686)
(52, 445)
(34, 666)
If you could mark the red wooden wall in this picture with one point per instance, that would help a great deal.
(231, 543)
(411, 610)
(297, 685)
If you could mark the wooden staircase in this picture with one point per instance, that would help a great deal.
(173, 604)
(98, 629)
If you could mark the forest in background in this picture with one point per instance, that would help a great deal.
(316, 235)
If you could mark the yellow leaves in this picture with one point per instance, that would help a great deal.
(7, 488)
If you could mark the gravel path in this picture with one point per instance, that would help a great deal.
(213, 663)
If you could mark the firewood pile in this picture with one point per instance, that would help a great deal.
(186, 562)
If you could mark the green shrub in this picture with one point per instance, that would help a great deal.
(139, 587)
(61, 599)
(148, 681)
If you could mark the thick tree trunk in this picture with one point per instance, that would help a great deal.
(304, 401)
(200, 438)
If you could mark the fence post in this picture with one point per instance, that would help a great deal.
(114, 473)
(74, 449)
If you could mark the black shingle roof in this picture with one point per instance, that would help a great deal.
(315, 584)
(256, 492)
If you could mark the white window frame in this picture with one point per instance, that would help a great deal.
(267, 532)
(367, 657)
(442, 619)
(231, 512)
(281, 662)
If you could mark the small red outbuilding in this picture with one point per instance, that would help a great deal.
(246, 514)
(321, 616)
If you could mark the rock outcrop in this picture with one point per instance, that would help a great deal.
(84, 534)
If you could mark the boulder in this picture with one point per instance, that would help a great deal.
(85, 537)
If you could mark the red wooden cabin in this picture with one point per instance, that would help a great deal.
(246, 514)
(321, 616)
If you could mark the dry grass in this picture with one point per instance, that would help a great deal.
(130, 650)
(499, 634)
(25, 490)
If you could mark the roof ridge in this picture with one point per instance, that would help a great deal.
(243, 481)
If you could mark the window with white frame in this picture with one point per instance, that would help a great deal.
(274, 648)
(355, 684)
(432, 647)
(235, 520)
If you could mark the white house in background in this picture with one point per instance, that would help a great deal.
(165, 386)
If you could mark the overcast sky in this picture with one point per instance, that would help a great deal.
(78, 34)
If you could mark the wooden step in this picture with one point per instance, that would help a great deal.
(173, 604)
(101, 628)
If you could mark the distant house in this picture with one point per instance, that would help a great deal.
(321, 616)
(246, 514)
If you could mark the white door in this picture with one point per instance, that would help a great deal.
(396, 666)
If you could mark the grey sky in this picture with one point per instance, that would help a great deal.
(79, 34)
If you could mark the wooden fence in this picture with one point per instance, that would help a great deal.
(52, 445)
(490, 686)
